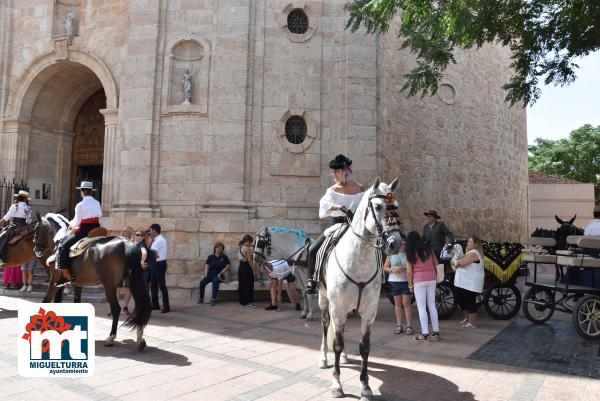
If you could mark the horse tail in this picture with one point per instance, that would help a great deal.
(141, 314)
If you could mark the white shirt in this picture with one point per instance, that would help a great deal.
(160, 246)
(593, 228)
(281, 269)
(88, 208)
(19, 210)
(470, 277)
(335, 198)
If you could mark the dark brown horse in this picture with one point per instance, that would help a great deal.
(107, 261)
(21, 252)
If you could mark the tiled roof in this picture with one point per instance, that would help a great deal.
(539, 178)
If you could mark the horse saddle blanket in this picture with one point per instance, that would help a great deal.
(332, 235)
(20, 233)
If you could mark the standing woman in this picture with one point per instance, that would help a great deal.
(339, 202)
(139, 239)
(246, 273)
(19, 214)
(468, 281)
(395, 265)
(422, 279)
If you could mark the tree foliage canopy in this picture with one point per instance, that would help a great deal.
(577, 157)
(544, 36)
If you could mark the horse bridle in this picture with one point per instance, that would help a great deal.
(391, 218)
(263, 242)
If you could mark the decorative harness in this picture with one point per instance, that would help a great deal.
(391, 218)
(263, 242)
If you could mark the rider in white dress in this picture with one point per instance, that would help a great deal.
(339, 202)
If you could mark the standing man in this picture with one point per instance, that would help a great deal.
(593, 228)
(158, 280)
(435, 232)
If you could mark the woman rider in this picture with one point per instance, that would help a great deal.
(19, 215)
(340, 200)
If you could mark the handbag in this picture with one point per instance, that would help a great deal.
(440, 269)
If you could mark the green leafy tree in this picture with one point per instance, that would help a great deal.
(544, 36)
(577, 157)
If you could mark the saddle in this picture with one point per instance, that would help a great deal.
(21, 233)
(80, 246)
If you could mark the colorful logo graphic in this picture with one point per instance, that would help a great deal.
(56, 340)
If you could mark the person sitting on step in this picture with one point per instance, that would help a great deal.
(87, 217)
(18, 215)
(339, 203)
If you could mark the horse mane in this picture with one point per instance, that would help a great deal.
(57, 221)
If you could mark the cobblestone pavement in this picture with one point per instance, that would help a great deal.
(225, 352)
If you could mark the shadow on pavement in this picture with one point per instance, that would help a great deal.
(152, 355)
(400, 384)
(8, 313)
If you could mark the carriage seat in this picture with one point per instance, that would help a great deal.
(535, 254)
(579, 261)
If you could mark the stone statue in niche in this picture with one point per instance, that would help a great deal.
(70, 22)
(187, 87)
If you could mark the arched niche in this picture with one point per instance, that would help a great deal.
(193, 55)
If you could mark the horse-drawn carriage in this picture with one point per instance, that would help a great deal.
(501, 298)
(573, 287)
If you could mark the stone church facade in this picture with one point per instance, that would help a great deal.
(275, 88)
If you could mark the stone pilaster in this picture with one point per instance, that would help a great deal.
(110, 164)
(14, 142)
(137, 109)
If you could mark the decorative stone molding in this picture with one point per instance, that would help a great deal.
(61, 46)
(282, 20)
(278, 128)
(189, 53)
(446, 93)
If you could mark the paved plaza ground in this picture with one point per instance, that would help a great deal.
(226, 352)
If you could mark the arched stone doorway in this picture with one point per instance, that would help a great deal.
(61, 108)
(88, 146)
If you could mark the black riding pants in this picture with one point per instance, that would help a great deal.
(63, 260)
(314, 249)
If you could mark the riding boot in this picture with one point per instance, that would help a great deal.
(312, 281)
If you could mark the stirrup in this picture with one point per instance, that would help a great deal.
(64, 284)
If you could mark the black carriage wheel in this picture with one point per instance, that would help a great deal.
(537, 305)
(586, 317)
(502, 301)
(445, 301)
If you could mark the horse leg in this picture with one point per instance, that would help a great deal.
(324, 304)
(338, 347)
(141, 343)
(365, 347)
(77, 295)
(115, 310)
(58, 297)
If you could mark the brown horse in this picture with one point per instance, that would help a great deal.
(107, 261)
(22, 252)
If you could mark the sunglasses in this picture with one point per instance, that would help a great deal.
(139, 234)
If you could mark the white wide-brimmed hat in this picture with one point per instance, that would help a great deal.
(86, 185)
(22, 193)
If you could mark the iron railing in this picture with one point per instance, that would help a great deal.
(7, 190)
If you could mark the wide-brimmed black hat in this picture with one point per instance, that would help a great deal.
(433, 213)
(340, 162)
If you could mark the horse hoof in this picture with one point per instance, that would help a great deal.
(337, 393)
(141, 345)
(323, 364)
(109, 343)
(366, 395)
(302, 317)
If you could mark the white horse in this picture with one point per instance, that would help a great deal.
(282, 243)
(353, 273)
